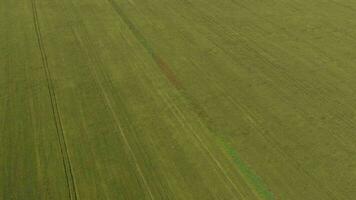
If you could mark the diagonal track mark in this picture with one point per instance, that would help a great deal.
(110, 106)
(56, 115)
(108, 102)
(253, 180)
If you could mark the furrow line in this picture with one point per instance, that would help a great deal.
(55, 110)
(253, 180)
(110, 107)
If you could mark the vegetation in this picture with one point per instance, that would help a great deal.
(189, 99)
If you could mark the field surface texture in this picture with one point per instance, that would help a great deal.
(177, 99)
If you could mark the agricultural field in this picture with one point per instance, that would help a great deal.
(177, 99)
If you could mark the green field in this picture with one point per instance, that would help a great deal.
(177, 99)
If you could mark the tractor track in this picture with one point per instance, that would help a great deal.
(256, 183)
(56, 115)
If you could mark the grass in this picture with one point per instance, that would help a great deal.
(111, 99)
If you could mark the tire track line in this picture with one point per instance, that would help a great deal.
(179, 115)
(106, 96)
(110, 106)
(253, 180)
(70, 181)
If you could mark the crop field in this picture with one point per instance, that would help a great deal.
(177, 99)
